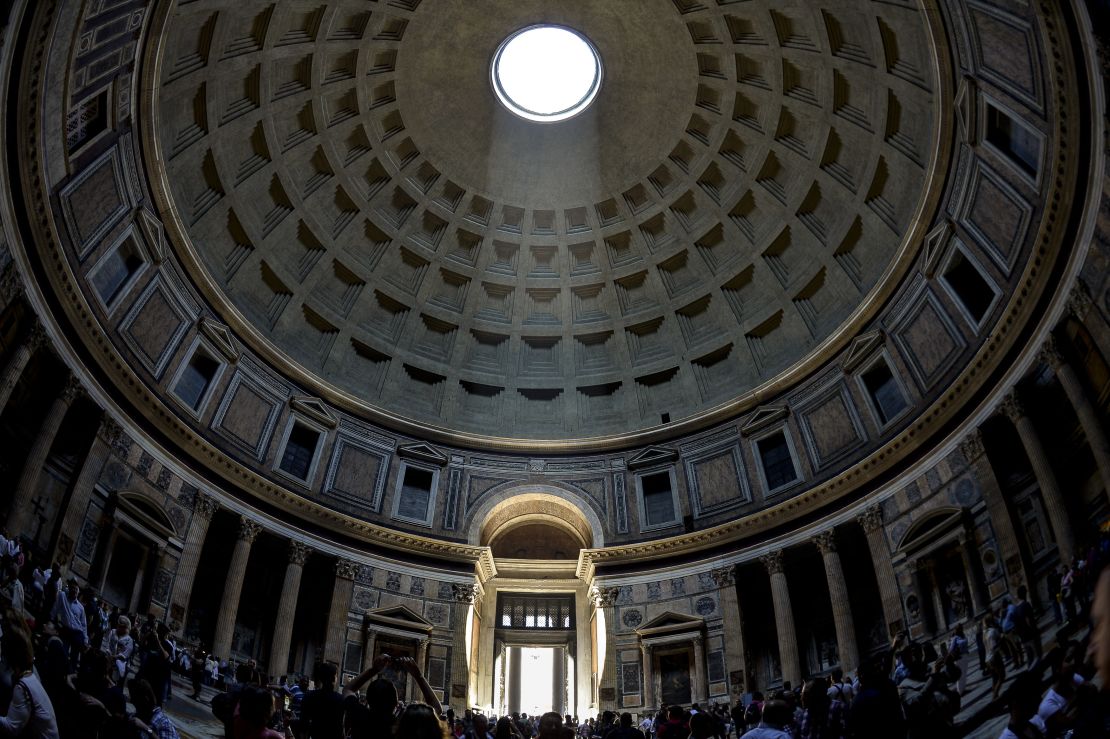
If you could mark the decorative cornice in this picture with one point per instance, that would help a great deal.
(315, 409)
(826, 542)
(298, 552)
(764, 417)
(871, 519)
(220, 335)
(935, 245)
(249, 529)
(773, 562)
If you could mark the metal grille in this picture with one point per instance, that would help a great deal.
(525, 611)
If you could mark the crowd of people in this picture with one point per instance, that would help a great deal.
(75, 667)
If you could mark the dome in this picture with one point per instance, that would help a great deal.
(359, 205)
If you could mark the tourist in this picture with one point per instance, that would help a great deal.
(322, 709)
(1025, 626)
(12, 591)
(253, 714)
(625, 729)
(647, 724)
(506, 729)
(480, 728)
(69, 614)
(958, 651)
(996, 668)
(705, 726)
(1022, 699)
(375, 718)
(822, 717)
(119, 646)
(776, 717)
(419, 721)
(876, 712)
(149, 717)
(30, 714)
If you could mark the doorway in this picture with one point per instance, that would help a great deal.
(535, 678)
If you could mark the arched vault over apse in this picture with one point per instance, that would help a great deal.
(527, 504)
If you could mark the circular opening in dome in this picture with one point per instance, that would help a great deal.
(546, 73)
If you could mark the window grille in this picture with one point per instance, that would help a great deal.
(528, 611)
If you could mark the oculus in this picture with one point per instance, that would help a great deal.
(546, 73)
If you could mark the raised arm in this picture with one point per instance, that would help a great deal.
(366, 675)
(429, 695)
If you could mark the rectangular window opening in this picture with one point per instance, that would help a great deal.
(116, 270)
(970, 287)
(1014, 139)
(885, 393)
(658, 498)
(300, 449)
(195, 379)
(778, 465)
(416, 494)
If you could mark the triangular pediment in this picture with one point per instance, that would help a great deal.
(862, 348)
(935, 243)
(399, 617)
(651, 456)
(315, 409)
(424, 453)
(220, 335)
(155, 235)
(764, 417)
(671, 622)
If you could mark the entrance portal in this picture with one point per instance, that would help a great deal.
(536, 680)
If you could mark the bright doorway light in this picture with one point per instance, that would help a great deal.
(546, 73)
(537, 680)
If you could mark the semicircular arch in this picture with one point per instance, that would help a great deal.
(503, 506)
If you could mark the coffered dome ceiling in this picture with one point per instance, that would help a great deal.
(750, 183)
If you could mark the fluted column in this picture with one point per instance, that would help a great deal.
(841, 606)
(733, 618)
(784, 618)
(345, 573)
(233, 587)
(1055, 507)
(22, 354)
(604, 599)
(1009, 546)
(76, 508)
(978, 601)
(649, 676)
(700, 676)
(938, 601)
(368, 651)
(19, 517)
(1085, 409)
(872, 522)
(204, 507)
(422, 663)
(287, 608)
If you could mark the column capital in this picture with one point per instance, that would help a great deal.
(971, 446)
(1012, 407)
(204, 505)
(871, 519)
(249, 529)
(826, 542)
(724, 576)
(464, 593)
(114, 436)
(603, 597)
(773, 562)
(36, 336)
(1079, 301)
(298, 552)
(1051, 354)
(11, 284)
(71, 389)
(346, 569)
